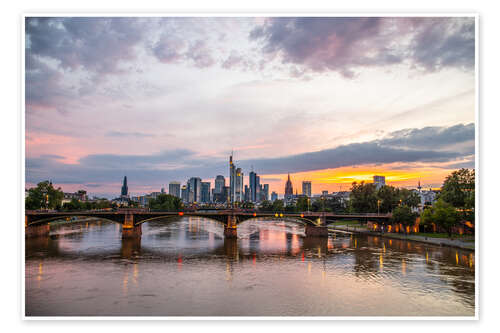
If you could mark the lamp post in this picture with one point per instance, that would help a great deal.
(378, 206)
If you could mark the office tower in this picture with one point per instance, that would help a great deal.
(232, 173)
(306, 188)
(379, 181)
(174, 188)
(324, 193)
(274, 196)
(184, 193)
(238, 185)
(220, 182)
(247, 193)
(265, 192)
(258, 189)
(194, 189)
(205, 192)
(252, 181)
(226, 193)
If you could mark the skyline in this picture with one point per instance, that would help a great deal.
(165, 99)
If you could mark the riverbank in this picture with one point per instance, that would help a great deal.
(463, 244)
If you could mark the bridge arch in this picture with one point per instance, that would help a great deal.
(158, 217)
(299, 220)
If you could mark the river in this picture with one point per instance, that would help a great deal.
(185, 267)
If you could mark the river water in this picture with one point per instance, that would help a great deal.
(185, 267)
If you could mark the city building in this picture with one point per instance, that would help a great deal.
(324, 193)
(205, 192)
(274, 196)
(220, 182)
(194, 189)
(288, 190)
(238, 185)
(124, 193)
(379, 181)
(306, 188)
(232, 176)
(265, 192)
(174, 188)
(247, 193)
(184, 193)
(252, 181)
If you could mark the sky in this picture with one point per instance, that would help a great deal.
(327, 99)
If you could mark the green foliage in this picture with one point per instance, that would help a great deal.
(166, 202)
(409, 198)
(247, 205)
(389, 198)
(303, 204)
(278, 206)
(44, 195)
(363, 198)
(459, 189)
(266, 206)
(75, 204)
(442, 213)
(403, 214)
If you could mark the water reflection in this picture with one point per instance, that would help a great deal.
(271, 269)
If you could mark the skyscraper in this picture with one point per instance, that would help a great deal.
(231, 179)
(205, 192)
(238, 185)
(124, 188)
(184, 193)
(252, 181)
(306, 188)
(194, 189)
(174, 188)
(265, 192)
(220, 182)
(274, 196)
(288, 189)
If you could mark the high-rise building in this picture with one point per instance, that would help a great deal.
(232, 174)
(379, 181)
(306, 188)
(265, 192)
(238, 185)
(252, 181)
(258, 188)
(124, 188)
(220, 182)
(205, 192)
(247, 193)
(288, 189)
(274, 196)
(194, 189)
(184, 193)
(324, 193)
(174, 188)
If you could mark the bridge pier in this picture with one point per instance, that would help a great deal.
(314, 231)
(129, 229)
(230, 229)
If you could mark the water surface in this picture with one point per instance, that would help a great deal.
(185, 267)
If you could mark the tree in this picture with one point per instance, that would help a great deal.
(443, 214)
(409, 198)
(266, 206)
(166, 202)
(403, 214)
(363, 197)
(302, 204)
(459, 189)
(44, 195)
(389, 198)
(278, 206)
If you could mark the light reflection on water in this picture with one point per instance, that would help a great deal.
(186, 267)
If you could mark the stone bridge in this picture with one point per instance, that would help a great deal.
(37, 222)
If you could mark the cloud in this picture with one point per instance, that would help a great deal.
(345, 44)
(405, 146)
(97, 44)
(129, 134)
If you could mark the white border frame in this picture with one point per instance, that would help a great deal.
(240, 14)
